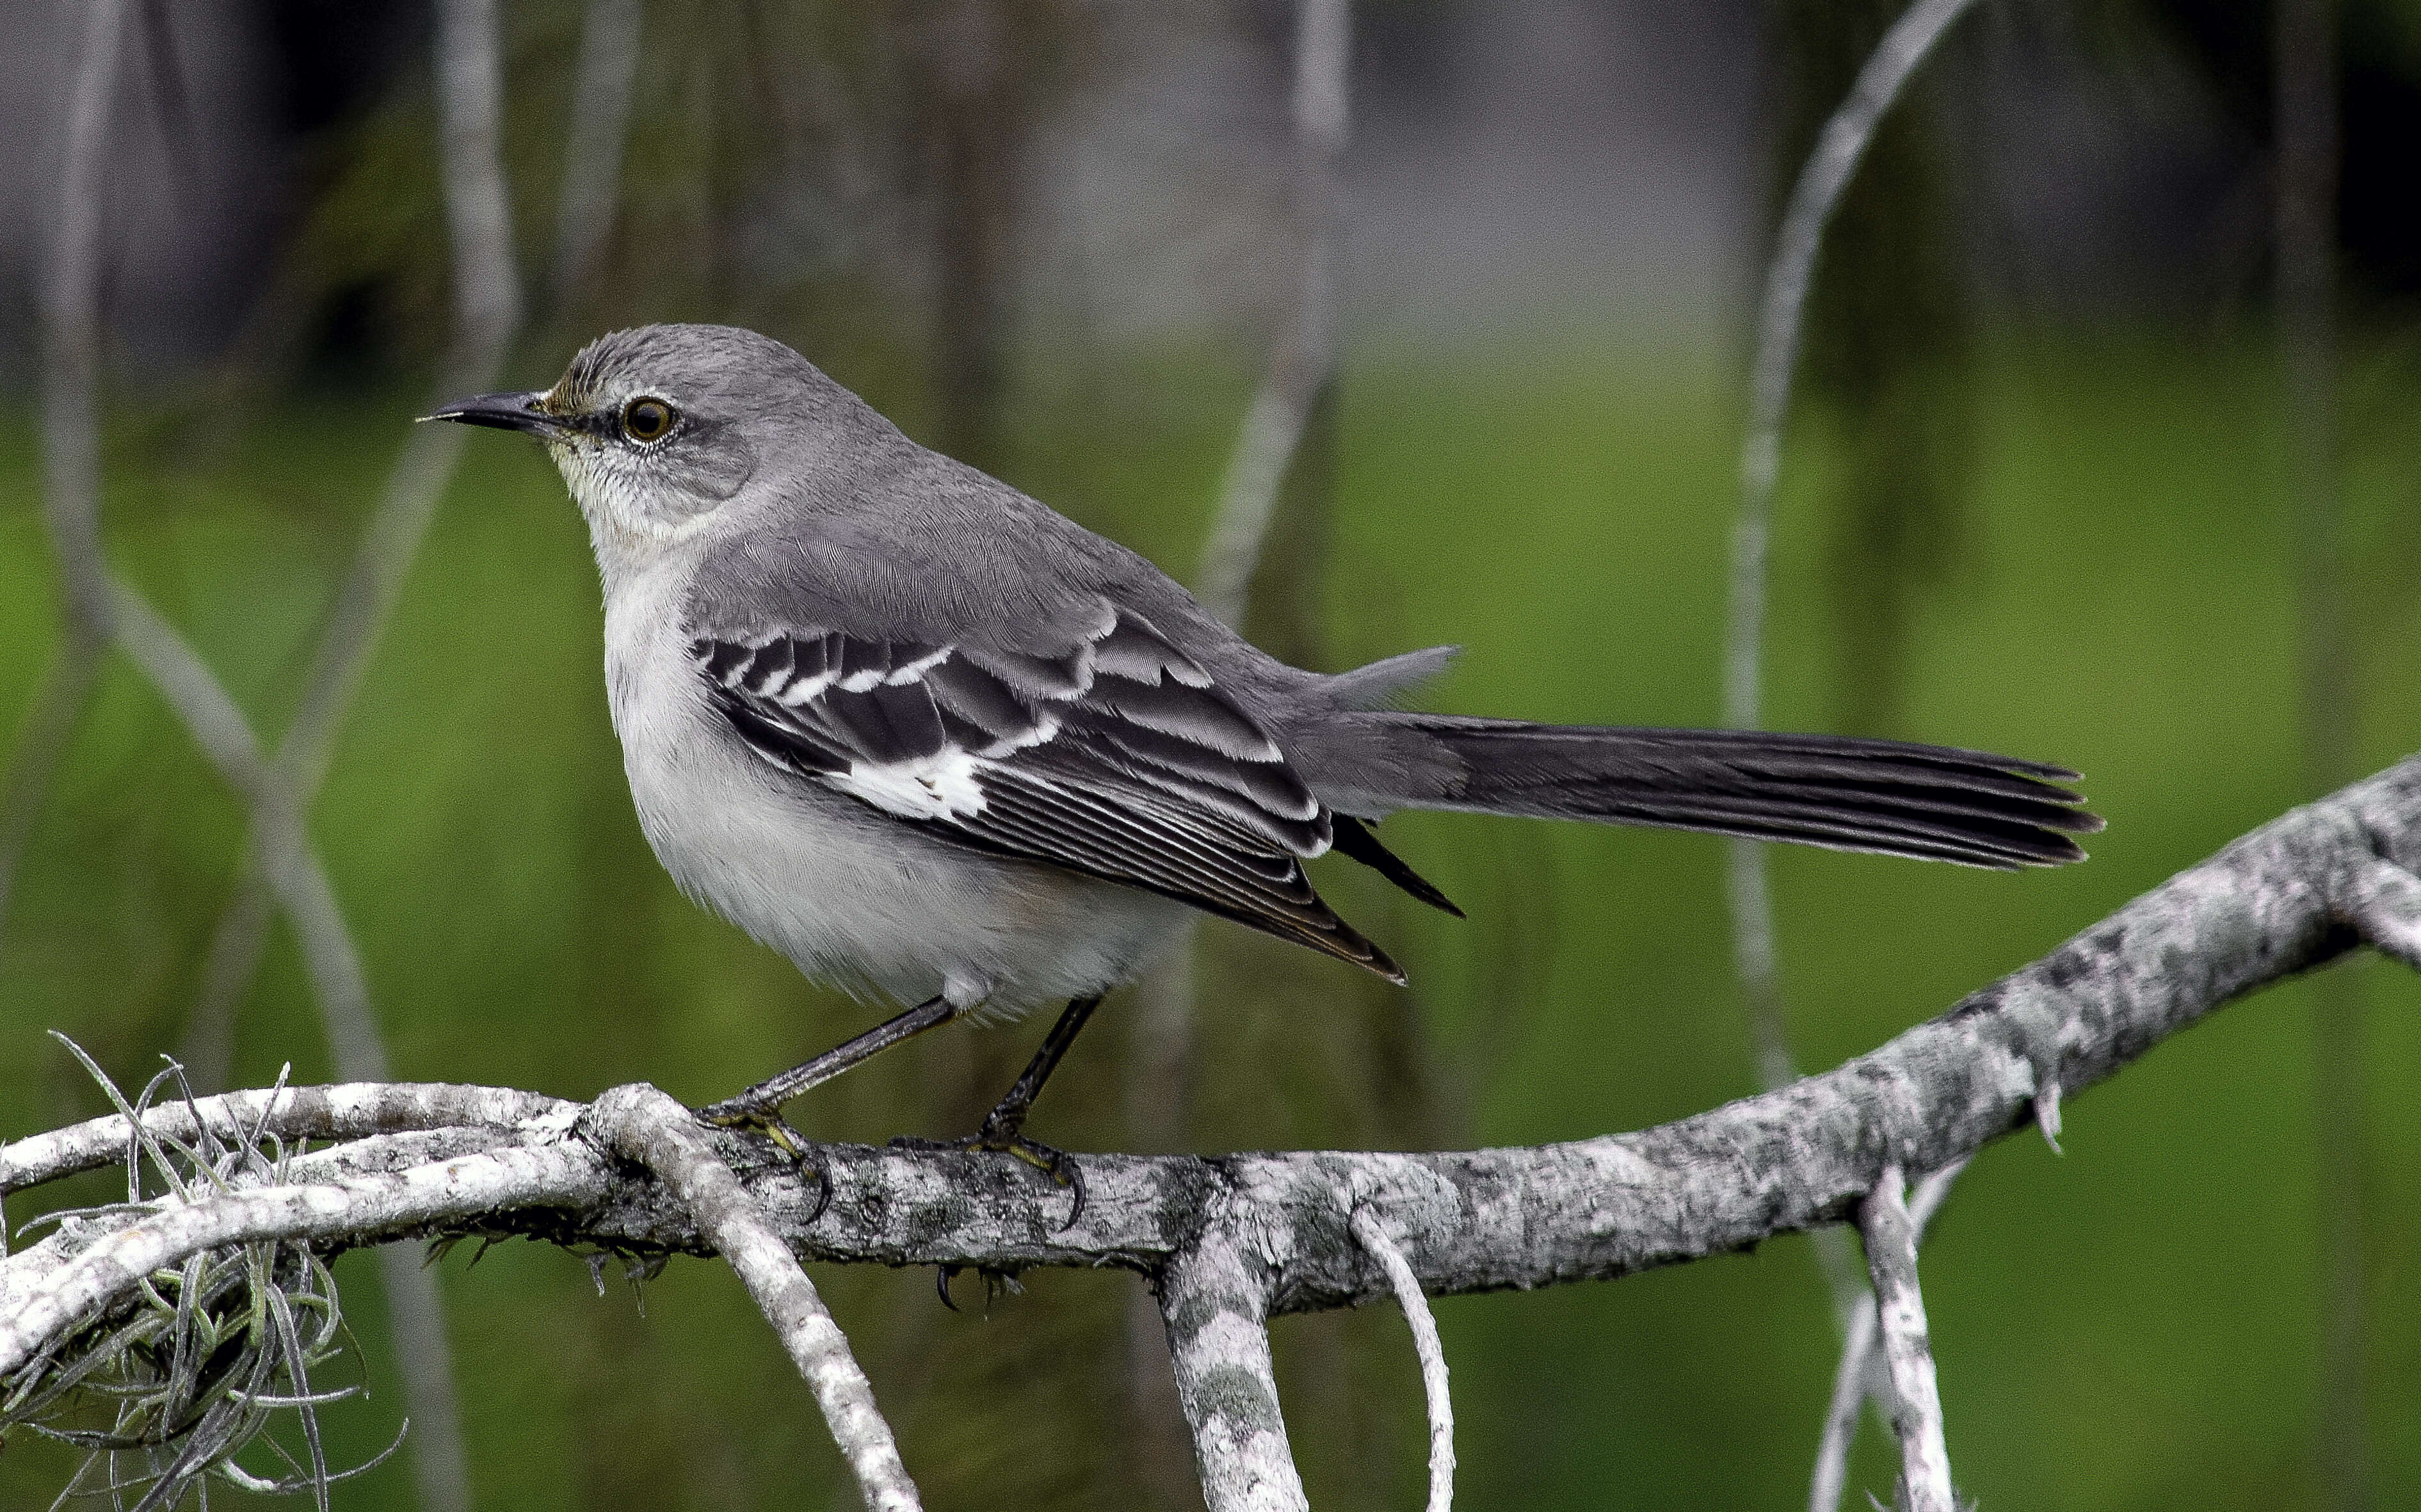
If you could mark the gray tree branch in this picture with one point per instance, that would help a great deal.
(1907, 1348)
(1215, 1301)
(639, 1123)
(1782, 311)
(1427, 1344)
(604, 83)
(1855, 1379)
(1234, 1240)
(70, 332)
(1790, 274)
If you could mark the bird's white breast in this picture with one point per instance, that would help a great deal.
(852, 895)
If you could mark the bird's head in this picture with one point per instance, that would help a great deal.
(657, 428)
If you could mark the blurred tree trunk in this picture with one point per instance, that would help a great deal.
(2306, 181)
(1888, 343)
(971, 67)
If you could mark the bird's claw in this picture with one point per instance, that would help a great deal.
(770, 1124)
(1057, 1164)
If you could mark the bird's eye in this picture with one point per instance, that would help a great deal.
(647, 418)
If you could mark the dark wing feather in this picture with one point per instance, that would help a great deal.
(1118, 758)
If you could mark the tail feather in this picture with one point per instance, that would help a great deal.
(1842, 793)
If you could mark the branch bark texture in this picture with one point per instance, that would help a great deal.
(1855, 1379)
(640, 1123)
(1908, 1346)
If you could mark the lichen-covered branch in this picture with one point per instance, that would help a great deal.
(2289, 896)
(640, 1123)
(1215, 1301)
(1233, 1241)
(1908, 1346)
(1855, 1379)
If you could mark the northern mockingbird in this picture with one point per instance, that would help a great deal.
(941, 745)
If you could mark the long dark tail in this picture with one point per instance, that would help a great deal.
(1846, 794)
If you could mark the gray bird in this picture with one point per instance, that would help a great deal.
(941, 745)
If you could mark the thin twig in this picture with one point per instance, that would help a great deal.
(478, 205)
(1781, 317)
(1373, 1237)
(1900, 1309)
(300, 882)
(640, 1123)
(71, 330)
(1306, 348)
(488, 304)
(1856, 1380)
(71, 326)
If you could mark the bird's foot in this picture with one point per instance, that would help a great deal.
(767, 1123)
(1057, 1164)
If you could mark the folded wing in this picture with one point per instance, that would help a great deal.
(1117, 757)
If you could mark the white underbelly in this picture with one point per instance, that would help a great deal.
(855, 898)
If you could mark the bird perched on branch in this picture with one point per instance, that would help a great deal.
(939, 744)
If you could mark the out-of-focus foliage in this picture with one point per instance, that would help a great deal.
(851, 173)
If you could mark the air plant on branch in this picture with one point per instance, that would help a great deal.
(205, 1361)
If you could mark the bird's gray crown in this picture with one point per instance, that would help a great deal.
(655, 426)
(732, 373)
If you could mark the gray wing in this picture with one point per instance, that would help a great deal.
(1117, 757)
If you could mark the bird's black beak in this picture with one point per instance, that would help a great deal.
(501, 412)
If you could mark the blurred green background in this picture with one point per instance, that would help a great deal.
(2087, 557)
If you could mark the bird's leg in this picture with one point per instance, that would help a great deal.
(759, 1107)
(1006, 1123)
(1003, 1127)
